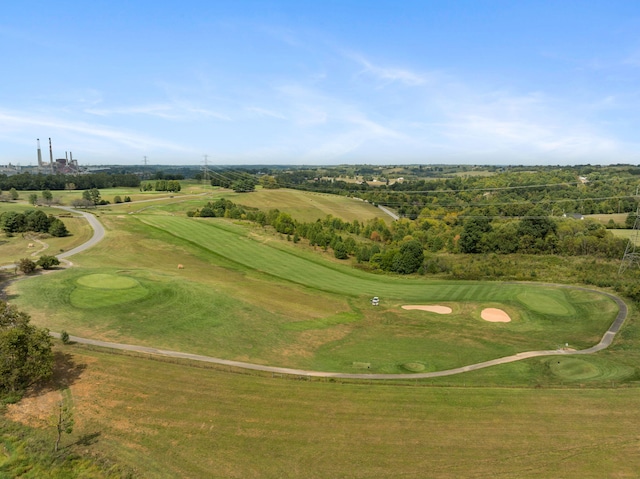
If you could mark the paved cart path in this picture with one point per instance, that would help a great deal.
(99, 234)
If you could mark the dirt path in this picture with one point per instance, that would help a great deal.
(99, 233)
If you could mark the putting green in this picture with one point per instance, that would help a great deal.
(104, 290)
(545, 303)
(107, 281)
(577, 369)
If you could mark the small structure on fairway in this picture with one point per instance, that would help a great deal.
(375, 301)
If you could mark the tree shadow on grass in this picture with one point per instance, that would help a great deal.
(87, 439)
(65, 372)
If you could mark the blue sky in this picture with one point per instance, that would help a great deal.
(321, 82)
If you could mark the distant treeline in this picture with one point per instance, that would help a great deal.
(584, 190)
(37, 182)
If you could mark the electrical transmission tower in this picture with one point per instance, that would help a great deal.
(205, 171)
(631, 256)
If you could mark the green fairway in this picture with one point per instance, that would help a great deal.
(222, 304)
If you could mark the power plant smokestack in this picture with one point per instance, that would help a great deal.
(50, 156)
(39, 155)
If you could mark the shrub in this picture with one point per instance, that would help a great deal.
(47, 262)
(26, 266)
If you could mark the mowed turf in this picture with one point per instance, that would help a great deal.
(222, 308)
(167, 420)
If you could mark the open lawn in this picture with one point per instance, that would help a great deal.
(167, 420)
(247, 296)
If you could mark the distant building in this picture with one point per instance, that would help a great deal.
(575, 216)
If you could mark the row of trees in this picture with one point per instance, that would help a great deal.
(12, 222)
(28, 181)
(161, 185)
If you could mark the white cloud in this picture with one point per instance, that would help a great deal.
(129, 139)
(179, 111)
(389, 75)
(264, 112)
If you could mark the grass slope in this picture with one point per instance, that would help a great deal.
(307, 207)
(167, 420)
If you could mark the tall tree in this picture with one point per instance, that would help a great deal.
(25, 351)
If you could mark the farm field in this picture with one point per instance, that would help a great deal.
(626, 234)
(247, 296)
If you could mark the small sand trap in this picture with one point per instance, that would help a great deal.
(495, 315)
(431, 308)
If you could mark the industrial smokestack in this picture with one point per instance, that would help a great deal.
(39, 154)
(50, 156)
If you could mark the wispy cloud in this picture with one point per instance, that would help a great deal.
(169, 111)
(265, 112)
(388, 75)
(129, 139)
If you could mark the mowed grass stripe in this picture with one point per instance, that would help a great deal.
(232, 243)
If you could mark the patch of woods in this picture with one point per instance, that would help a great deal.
(13, 222)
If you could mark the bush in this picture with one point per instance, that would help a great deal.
(26, 266)
(48, 262)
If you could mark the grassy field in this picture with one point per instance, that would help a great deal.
(626, 234)
(247, 296)
(167, 420)
(307, 207)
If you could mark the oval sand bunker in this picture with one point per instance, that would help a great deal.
(495, 315)
(432, 308)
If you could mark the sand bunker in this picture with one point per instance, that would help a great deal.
(431, 308)
(495, 315)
